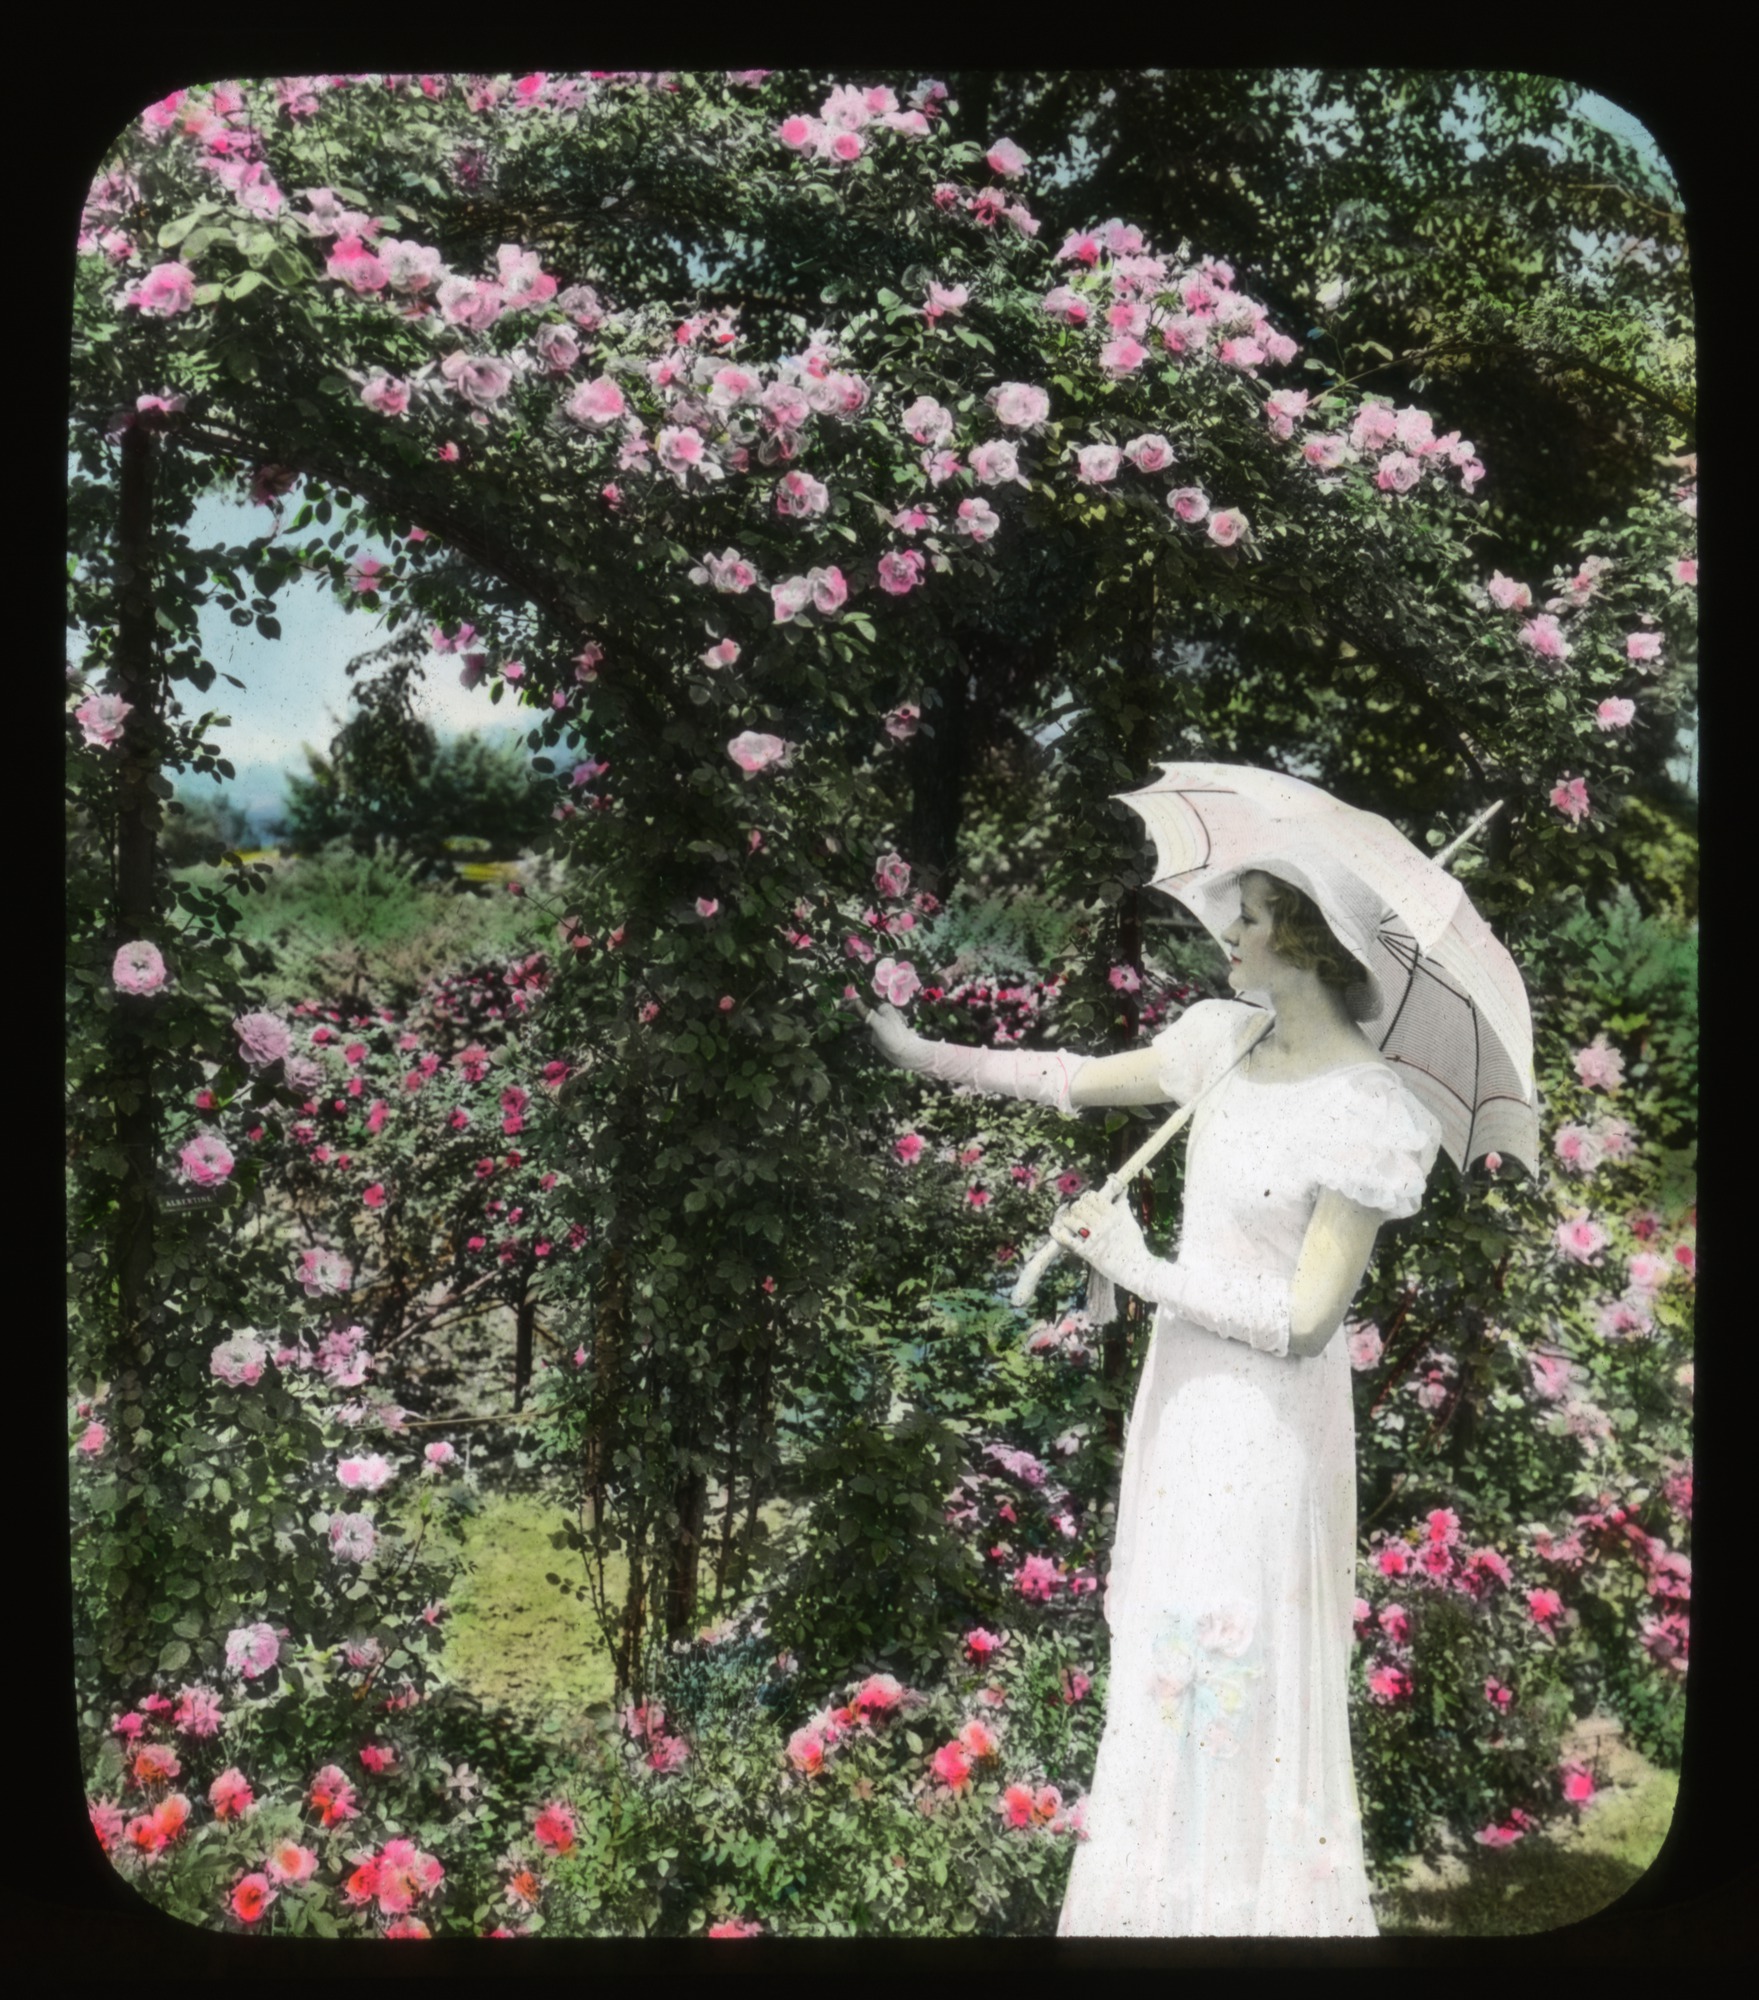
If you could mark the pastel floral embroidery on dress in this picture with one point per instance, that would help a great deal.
(1202, 1675)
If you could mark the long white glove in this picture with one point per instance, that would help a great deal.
(1241, 1306)
(1039, 1076)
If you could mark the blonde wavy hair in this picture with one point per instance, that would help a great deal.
(1299, 934)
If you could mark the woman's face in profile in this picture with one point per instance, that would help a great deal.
(1252, 960)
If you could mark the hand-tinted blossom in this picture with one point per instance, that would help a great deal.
(1599, 1066)
(597, 403)
(978, 519)
(138, 968)
(239, 1361)
(1019, 405)
(895, 980)
(1570, 797)
(166, 290)
(352, 1537)
(753, 751)
(206, 1160)
(324, 1273)
(100, 718)
(262, 1039)
(252, 1650)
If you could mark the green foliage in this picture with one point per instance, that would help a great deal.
(390, 779)
(200, 828)
(869, 1844)
(340, 924)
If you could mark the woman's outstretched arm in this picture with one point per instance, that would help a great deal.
(1039, 1076)
(1132, 1078)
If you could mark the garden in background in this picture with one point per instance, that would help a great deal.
(550, 1450)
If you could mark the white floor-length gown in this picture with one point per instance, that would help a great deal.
(1224, 1802)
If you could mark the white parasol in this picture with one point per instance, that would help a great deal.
(1441, 998)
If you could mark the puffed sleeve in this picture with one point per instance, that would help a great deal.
(1200, 1044)
(1378, 1153)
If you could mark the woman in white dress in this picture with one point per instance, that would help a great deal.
(1223, 1802)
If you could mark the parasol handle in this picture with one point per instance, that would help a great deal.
(1460, 839)
(1048, 1252)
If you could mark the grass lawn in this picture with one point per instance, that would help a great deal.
(514, 1638)
(1543, 1884)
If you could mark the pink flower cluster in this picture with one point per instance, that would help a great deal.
(645, 1725)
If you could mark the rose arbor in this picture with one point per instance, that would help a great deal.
(716, 431)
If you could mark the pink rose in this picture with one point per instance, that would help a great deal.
(753, 751)
(790, 598)
(1365, 1346)
(1149, 453)
(900, 571)
(1122, 356)
(1506, 594)
(1328, 452)
(1189, 503)
(1600, 1067)
(138, 968)
(903, 722)
(1006, 160)
(1570, 797)
(1019, 405)
(1066, 305)
(481, 379)
(1580, 1239)
(100, 718)
(351, 263)
(978, 519)
(891, 875)
(895, 979)
(1643, 649)
(324, 1273)
(997, 462)
(1226, 527)
(238, 1362)
(598, 403)
(1283, 409)
(1614, 713)
(1543, 636)
(263, 1039)
(1096, 464)
(385, 394)
(927, 421)
(829, 591)
(206, 1160)
(167, 289)
(801, 496)
(908, 1148)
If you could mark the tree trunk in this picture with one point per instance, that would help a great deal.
(937, 766)
(137, 838)
(525, 1321)
(684, 1558)
(610, 1325)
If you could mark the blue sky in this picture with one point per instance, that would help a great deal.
(296, 688)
